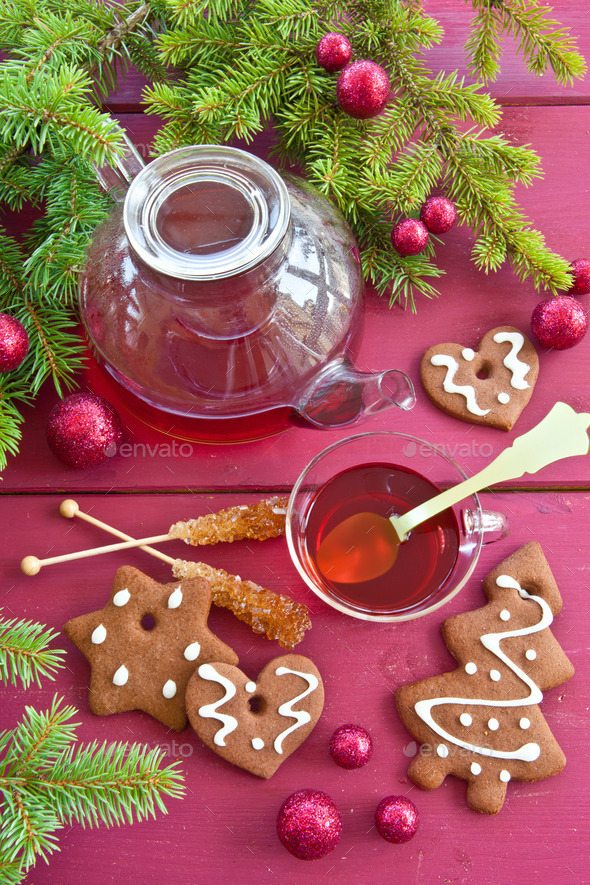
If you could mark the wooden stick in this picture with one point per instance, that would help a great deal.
(277, 616)
(32, 565)
(70, 508)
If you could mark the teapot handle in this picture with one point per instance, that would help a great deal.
(116, 179)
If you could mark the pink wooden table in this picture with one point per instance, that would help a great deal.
(224, 830)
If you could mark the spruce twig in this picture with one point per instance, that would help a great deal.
(24, 656)
(48, 780)
(55, 63)
(252, 62)
(543, 42)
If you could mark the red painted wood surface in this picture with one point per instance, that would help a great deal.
(224, 831)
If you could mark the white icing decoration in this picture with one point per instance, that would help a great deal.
(121, 676)
(99, 634)
(466, 390)
(493, 725)
(491, 641)
(122, 597)
(175, 598)
(286, 709)
(257, 743)
(509, 583)
(504, 776)
(525, 723)
(518, 368)
(465, 719)
(442, 751)
(467, 354)
(169, 689)
(475, 768)
(503, 398)
(209, 711)
(505, 614)
(250, 686)
(192, 651)
(470, 668)
(495, 675)
(530, 654)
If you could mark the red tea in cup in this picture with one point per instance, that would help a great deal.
(424, 562)
(387, 473)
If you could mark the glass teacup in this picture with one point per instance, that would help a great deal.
(388, 473)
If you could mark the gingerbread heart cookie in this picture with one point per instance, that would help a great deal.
(491, 385)
(255, 725)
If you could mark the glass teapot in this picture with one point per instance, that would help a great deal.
(226, 301)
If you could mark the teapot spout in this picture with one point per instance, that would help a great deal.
(127, 164)
(342, 395)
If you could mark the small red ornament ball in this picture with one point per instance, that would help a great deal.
(397, 819)
(309, 824)
(409, 236)
(438, 214)
(362, 89)
(333, 52)
(580, 269)
(351, 746)
(14, 343)
(559, 322)
(83, 429)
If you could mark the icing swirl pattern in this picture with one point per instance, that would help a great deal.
(491, 641)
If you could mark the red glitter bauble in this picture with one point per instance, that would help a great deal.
(14, 343)
(351, 746)
(397, 819)
(309, 824)
(438, 214)
(362, 89)
(333, 52)
(409, 236)
(83, 429)
(580, 268)
(559, 322)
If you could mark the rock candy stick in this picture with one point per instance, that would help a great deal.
(260, 521)
(273, 614)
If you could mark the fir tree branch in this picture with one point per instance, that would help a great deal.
(12, 390)
(56, 347)
(542, 41)
(40, 740)
(47, 780)
(24, 652)
(116, 36)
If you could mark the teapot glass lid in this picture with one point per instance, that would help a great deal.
(205, 212)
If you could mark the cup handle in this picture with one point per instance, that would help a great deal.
(490, 522)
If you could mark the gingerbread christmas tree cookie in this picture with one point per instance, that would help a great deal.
(145, 643)
(482, 721)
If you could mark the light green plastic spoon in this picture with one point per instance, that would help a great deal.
(364, 546)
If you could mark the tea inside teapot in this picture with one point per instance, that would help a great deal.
(224, 296)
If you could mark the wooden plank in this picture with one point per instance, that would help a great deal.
(515, 85)
(224, 831)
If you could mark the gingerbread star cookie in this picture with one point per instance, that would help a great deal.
(145, 643)
(256, 725)
(490, 385)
